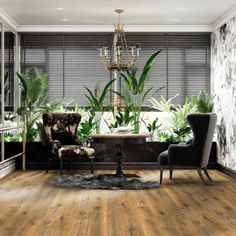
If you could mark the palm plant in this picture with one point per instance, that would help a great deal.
(33, 93)
(135, 93)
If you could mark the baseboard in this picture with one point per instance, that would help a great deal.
(226, 170)
(106, 166)
(7, 167)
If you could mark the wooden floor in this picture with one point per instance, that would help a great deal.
(183, 206)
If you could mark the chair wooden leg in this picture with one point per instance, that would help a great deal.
(70, 164)
(91, 165)
(161, 174)
(48, 165)
(206, 173)
(61, 166)
(171, 172)
(201, 176)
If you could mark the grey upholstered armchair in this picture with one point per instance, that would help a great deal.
(61, 129)
(195, 154)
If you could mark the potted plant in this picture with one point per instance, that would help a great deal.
(135, 93)
(96, 101)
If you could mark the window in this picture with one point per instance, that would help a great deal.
(72, 62)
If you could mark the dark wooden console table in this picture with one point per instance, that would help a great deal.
(120, 139)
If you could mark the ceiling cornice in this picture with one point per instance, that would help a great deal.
(224, 18)
(110, 28)
(8, 20)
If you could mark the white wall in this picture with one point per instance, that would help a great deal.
(224, 88)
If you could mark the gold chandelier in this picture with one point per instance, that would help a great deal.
(119, 57)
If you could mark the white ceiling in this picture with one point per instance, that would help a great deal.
(101, 12)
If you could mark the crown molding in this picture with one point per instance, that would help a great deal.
(224, 18)
(110, 28)
(8, 20)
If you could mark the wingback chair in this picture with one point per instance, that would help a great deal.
(61, 129)
(196, 154)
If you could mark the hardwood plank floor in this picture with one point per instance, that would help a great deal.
(182, 206)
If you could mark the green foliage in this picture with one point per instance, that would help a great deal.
(33, 91)
(135, 93)
(153, 126)
(166, 137)
(179, 129)
(203, 101)
(122, 118)
(97, 99)
(162, 105)
(56, 105)
(86, 128)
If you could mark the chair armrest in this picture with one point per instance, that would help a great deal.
(55, 145)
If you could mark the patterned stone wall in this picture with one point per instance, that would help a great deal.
(224, 87)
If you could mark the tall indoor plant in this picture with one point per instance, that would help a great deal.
(33, 95)
(135, 93)
(96, 101)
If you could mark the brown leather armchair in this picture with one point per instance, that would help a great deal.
(196, 154)
(61, 129)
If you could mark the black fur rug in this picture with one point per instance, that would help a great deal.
(112, 182)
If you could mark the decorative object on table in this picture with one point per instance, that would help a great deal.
(120, 56)
(196, 154)
(102, 181)
(123, 129)
(61, 136)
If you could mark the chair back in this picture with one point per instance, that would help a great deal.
(203, 127)
(61, 126)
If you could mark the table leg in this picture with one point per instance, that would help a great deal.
(120, 158)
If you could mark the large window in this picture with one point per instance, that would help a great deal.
(72, 62)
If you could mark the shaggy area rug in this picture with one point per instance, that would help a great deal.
(103, 181)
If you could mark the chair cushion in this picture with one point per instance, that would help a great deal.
(163, 158)
(70, 151)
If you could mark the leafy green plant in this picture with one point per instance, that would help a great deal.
(122, 118)
(56, 105)
(179, 128)
(203, 101)
(97, 102)
(86, 128)
(166, 137)
(33, 93)
(180, 124)
(153, 126)
(97, 99)
(135, 93)
(163, 105)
